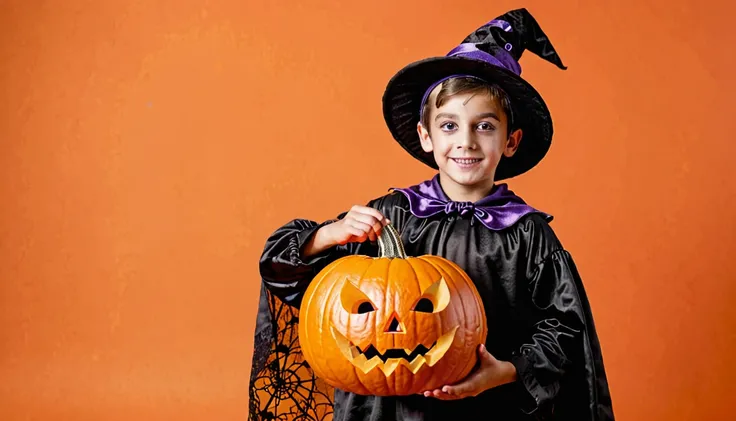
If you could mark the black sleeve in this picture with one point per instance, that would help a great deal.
(560, 364)
(284, 270)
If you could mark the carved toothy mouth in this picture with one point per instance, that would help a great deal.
(370, 358)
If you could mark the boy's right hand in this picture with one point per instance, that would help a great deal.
(359, 224)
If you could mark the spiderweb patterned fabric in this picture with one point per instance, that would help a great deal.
(282, 385)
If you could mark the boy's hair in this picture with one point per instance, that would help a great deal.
(460, 85)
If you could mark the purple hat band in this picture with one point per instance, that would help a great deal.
(470, 50)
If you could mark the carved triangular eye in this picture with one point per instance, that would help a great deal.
(424, 305)
(365, 307)
(434, 299)
(354, 300)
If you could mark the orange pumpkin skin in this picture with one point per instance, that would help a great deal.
(423, 314)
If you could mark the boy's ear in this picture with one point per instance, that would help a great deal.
(512, 144)
(424, 138)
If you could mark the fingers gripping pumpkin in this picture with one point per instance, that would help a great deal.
(392, 325)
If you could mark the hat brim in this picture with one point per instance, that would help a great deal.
(403, 95)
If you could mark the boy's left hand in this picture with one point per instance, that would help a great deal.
(491, 373)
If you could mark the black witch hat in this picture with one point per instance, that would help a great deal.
(491, 53)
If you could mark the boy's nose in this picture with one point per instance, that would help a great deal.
(467, 141)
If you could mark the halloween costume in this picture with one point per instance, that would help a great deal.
(538, 314)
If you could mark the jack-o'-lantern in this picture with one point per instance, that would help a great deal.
(391, 325)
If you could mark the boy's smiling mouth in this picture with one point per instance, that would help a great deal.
(466, 162)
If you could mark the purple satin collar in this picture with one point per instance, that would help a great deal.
(500, 209)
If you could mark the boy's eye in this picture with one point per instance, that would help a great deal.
(448, 126)
(486, 126)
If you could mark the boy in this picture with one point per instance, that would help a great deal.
(470, 116)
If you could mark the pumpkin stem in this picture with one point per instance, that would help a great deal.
(389, 243)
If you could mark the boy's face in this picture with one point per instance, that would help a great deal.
(468, 138)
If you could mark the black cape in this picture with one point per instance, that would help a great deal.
(539, 318)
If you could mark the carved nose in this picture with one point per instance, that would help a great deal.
(394, 326)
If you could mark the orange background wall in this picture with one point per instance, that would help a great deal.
(148, 148)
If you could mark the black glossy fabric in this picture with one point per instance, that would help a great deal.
(538, 314)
